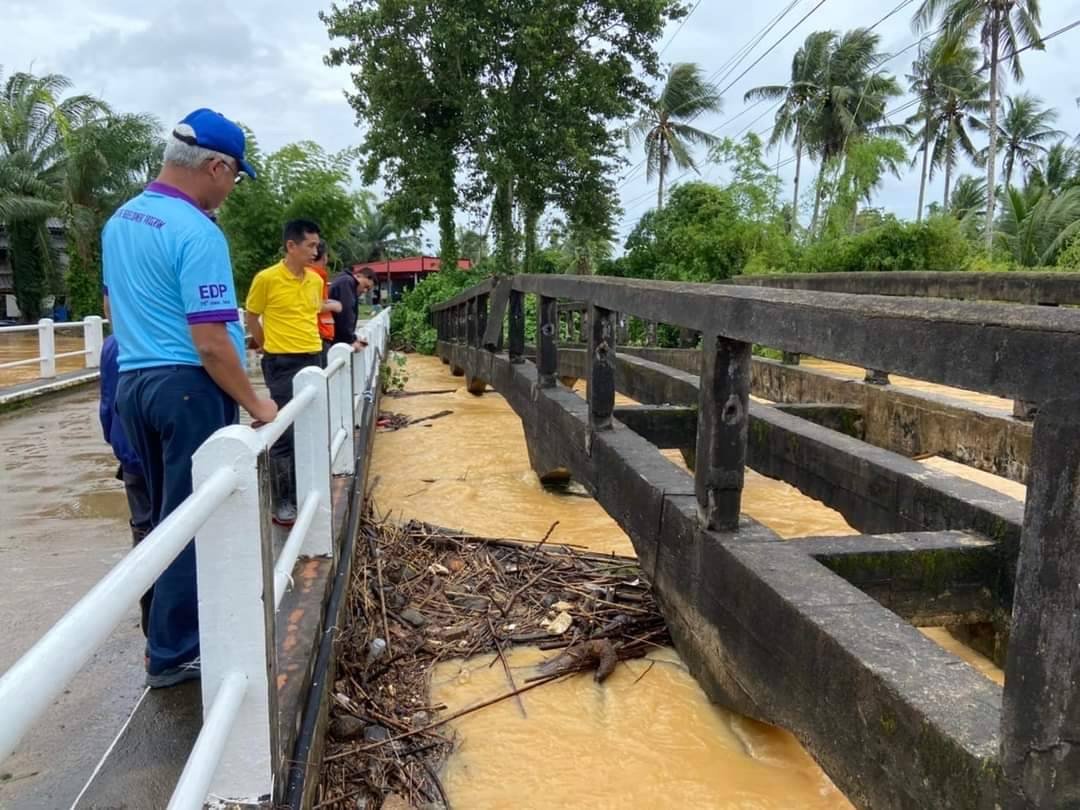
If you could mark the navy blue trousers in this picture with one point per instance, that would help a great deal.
(167, 412)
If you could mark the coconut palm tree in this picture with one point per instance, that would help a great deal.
(1035, 225)
(797, 96)
(1058, 170)
(951, 96)
(1004, 26)
(1024, 132)
(851, 103)
(969, 197)
(665, 128)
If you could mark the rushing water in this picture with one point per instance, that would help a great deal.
(653, 742)
(657, 742)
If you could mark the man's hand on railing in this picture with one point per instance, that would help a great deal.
(263, 410)
(359, 344)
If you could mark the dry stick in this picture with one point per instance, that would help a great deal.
(505, 609)
(431, 418)
(438, 783)
(382, 597)
(445, 720)
(506, 667)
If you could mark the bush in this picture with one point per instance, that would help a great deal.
(937, 244)
(410, 319)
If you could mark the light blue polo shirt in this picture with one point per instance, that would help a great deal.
(165, 266)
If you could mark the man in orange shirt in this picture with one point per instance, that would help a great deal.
(325, 319)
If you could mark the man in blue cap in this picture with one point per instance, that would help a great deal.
(172, 299)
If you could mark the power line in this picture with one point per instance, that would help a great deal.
(732, 61)
(773, 47)
(680, 28)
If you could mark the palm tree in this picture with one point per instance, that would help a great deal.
(851, 103)
(969, 197)
(1005, 26)
(963, 105)
(34, 124)
(1058, 170)
(807, 70)
(951, 96)
(665, 124)
(374, 236)
(1023, 132)
(1035, 225)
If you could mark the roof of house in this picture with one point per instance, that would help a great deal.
(408, 265)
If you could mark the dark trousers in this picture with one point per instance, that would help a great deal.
(167, 413)
(278, 372)
(141, 523)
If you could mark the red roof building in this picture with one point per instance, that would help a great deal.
(395, 276)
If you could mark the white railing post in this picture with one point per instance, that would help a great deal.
(341, 406)
(93, 337)
(47, 348)
(236, 613)
(359, 376)
(311, 433)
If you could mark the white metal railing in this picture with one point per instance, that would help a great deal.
(240, 583)
(93, 337)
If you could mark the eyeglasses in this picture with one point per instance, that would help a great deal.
(237, 174)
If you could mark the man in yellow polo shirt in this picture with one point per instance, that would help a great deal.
(282, 306)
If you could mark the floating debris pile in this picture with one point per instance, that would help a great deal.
(421, 594)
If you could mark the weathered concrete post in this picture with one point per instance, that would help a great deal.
(650, 333)
(516, 346)
(876, 377)
(1041, 701)
(547, 350)
(723, 417)
(600, 366)
(470, 323)
(481, 318)
(478, 312)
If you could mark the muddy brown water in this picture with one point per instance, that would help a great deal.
(653, 742)
(24, 345)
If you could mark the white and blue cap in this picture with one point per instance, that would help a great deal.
(212, 130)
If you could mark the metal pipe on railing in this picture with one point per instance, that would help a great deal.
(286, 417)
(26, 327)
(40, 675)
(194, 782)
(15, 363)
(76, 353)
(338, 442)
(291, 551)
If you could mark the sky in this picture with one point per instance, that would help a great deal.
(261, 62)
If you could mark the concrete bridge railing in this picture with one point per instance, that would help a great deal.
(772, 629)
(93, 337)
(240, 583)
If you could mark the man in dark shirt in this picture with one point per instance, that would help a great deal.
(348, 288)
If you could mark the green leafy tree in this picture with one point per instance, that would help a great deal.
(1003, 27)
(1035, 226)
(864, 166)
(1024, 132)
(797, 97)
(299, 181)
(664, 126)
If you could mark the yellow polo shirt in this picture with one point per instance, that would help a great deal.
(289, 307)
